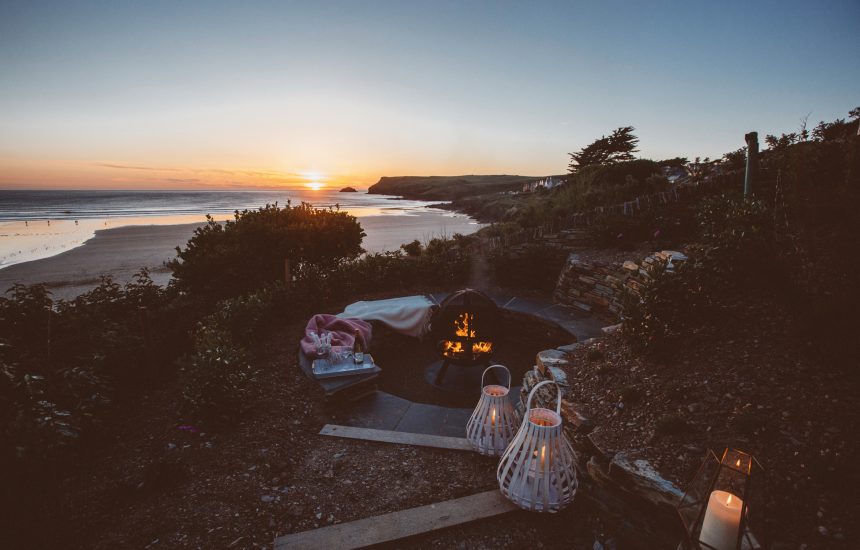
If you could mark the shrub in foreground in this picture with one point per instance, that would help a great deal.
(243, 254)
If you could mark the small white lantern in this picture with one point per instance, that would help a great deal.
(494, 421)
(537, 470)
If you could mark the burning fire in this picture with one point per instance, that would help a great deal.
(463, 329)
(462, 325)
(454, 348)
(482, 347)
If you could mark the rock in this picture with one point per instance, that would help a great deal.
(569, 348)
(572, 413)
(640, 477)
(557, 375)
(171, 446)
(694, 407)
(551, 358)
(349, 190)
(823, 531)
(268, 498)
(611, 329)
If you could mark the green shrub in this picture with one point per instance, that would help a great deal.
(670, 308)
(412, 249)
(531, 266)
(245, 253)
(215, 378)
(739, 239)
(244, 316)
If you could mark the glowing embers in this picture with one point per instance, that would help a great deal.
(466, 340)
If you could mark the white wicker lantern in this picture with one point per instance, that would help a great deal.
(537, 470)
(494, 421)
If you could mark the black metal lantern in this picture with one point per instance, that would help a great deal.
(724, 503)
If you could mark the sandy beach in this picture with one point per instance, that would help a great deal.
(121, 252)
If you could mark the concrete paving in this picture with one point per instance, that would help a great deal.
(384, 411)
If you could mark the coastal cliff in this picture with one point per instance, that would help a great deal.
(446, 188)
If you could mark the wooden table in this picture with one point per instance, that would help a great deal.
(341, 387)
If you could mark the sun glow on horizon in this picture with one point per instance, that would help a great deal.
(315, 185)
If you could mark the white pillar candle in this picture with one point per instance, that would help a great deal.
(722, 521)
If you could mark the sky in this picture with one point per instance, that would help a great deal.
(187, 95)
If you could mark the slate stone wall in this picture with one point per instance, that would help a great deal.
(600, 287)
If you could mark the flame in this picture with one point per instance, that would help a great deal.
(738, 463)
(729, 500)
(452, 347)
(482, 347)
(462, 325)
(493, 417)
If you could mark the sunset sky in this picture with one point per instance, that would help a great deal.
(149, 95)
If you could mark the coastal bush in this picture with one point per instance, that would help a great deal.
(531, 266)
(215, 377)
(738, 238)
(412, 249)
(442, 262)
(603, 185)
(65, 363)
(243, 317)
(670, 307)
(242, 254)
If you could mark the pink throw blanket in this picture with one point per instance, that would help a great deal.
(342, 331)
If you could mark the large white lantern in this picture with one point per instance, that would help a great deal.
(537, 470)
(494, 421)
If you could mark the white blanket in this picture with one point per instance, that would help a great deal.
(409, 315)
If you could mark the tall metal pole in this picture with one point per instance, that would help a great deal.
(752, 163)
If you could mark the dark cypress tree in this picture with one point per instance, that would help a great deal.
(618, 146)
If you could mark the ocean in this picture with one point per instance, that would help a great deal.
(41, 224)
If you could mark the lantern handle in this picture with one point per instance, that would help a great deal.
(534, 389)
(493, 367)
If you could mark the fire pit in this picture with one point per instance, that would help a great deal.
(464, 329)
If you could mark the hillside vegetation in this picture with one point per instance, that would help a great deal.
(446, 188)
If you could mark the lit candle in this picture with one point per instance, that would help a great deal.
(722, 521)
(493, 417)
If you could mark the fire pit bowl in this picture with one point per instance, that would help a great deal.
(464, 329)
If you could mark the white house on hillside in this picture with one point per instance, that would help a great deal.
(548, 182)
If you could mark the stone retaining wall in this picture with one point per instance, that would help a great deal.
(599, 287)
(637, 504)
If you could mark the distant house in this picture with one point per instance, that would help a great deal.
(676, 174)
(548, 182)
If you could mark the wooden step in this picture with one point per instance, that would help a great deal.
(398, 525)
(401, 438)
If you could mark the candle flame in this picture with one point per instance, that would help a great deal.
(729, 500)
(738, 463)
(493, 418)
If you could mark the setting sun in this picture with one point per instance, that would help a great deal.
(315, 185)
